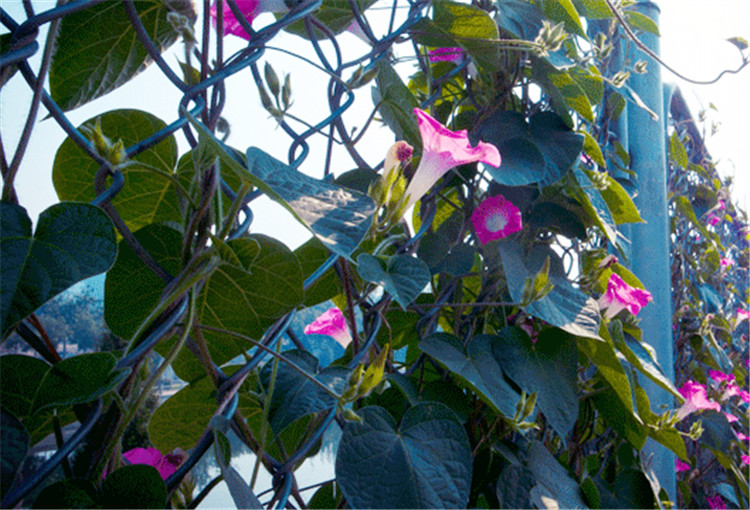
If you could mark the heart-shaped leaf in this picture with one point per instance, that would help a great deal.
(565, 306)
(14, 442)
(396, 104)
(294, 394)
(136, 486)
(402, 276)
(97, 48)
(71, 493)
(553, 480)
(337, 15)
(476, 366)
(548, 367)
(148, 194)
(71, 243)
(423, 463)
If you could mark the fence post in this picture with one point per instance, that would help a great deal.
(650, 240)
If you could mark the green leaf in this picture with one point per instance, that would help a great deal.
(592, 149)
(553, 480)
(180, 420)
(549, 367)
(402, 276)
(475, 365)
(136, 486)
(623, 420)
(148, 194)
(594, 9)
(604, 356)
(594, 204)
(423, 463)
(396, 104)
(560, 145)
(565, 306)
(565, 11)
(245, 299)
(641, 356)
(327, 496)
(514, 486)
(71, 243)
(338, 217)
(72, 493)
(294, 394)
(132, 289)
(667, 436)
(677, 152)
(633, 489)
(311, 255)
(619, 203)
(573, 93)
(642, 22)
(14, 443)
(717, 432)
(519, 18)
(97, 48)
(337, 15)
(455, 24)
(79, 379)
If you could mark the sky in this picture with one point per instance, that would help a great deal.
(693, 41)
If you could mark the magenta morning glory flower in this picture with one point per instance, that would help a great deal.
(742, 314)
(333, 324)
(620, 295)
(731, 390)
(716, 503)
(745, 459)
(165, 464)
(443, 149)
(681, 466)
(724, 262)
(695, 399)
(712, 219)
(731, 418)
(496, 218)
(250, 8)
(742, 437)
(720, 376)
(445, 55)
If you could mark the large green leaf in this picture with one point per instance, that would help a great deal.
(338, 217)
(543, 149)
(548, 367)
(258, 281)
(71, 243)
(564, 11)
(97, 48)
(455, 24)
(604, 356)
(402, 276)
(623, 420)
(554, 482)
(136, 486)
(180, 420)
(565, 306)
(311, 255)
(14, 443)
(77, 380)
(294, 394)
(594, 204)
(642, 356)
(619, 202)
(337, 15)
(514, 486)
(423, 463)
(475, 365)
(132, 289)
(519, 18)
(396, 104)
(70, 493)
(148, 195)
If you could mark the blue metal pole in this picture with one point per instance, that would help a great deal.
(650, 255)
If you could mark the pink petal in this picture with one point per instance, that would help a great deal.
(720, 376)
(695, 399)
(620, 295)
(716, 503)
(742, 314)
(166, 465)
(731, 418)
(742, 437)
(712, 219)
(496, 218)
(726, 262)
(333, 324)
(443, 149)
(445, 55)
(745, 459)
(231, 25)
(681, 466)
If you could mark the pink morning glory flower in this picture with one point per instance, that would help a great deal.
(681, 466)
(720, 206)
(445, 55)
(443, 149)
(720, 376)
(745, 459)
(712, 219)
(496, 218)
(716, 503)
(742, 314)
(742, 437)
(745, 396)
(165, 464)
(726, 262)
(695, 399)
(333, 324)
(731, 390)
(731, 418)
(620, 295)
(250, 8)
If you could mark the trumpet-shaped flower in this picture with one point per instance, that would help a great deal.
(445, 55)
(742, 314)
(443, 149)
(725, 262)
(695, 399)
(745, 459)
(716, 375)
(496, 218)
(712, 219)
(333, 324)
(250, 9)
(681, 466)
(620, 295)
(165, 464)
(731, 418)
